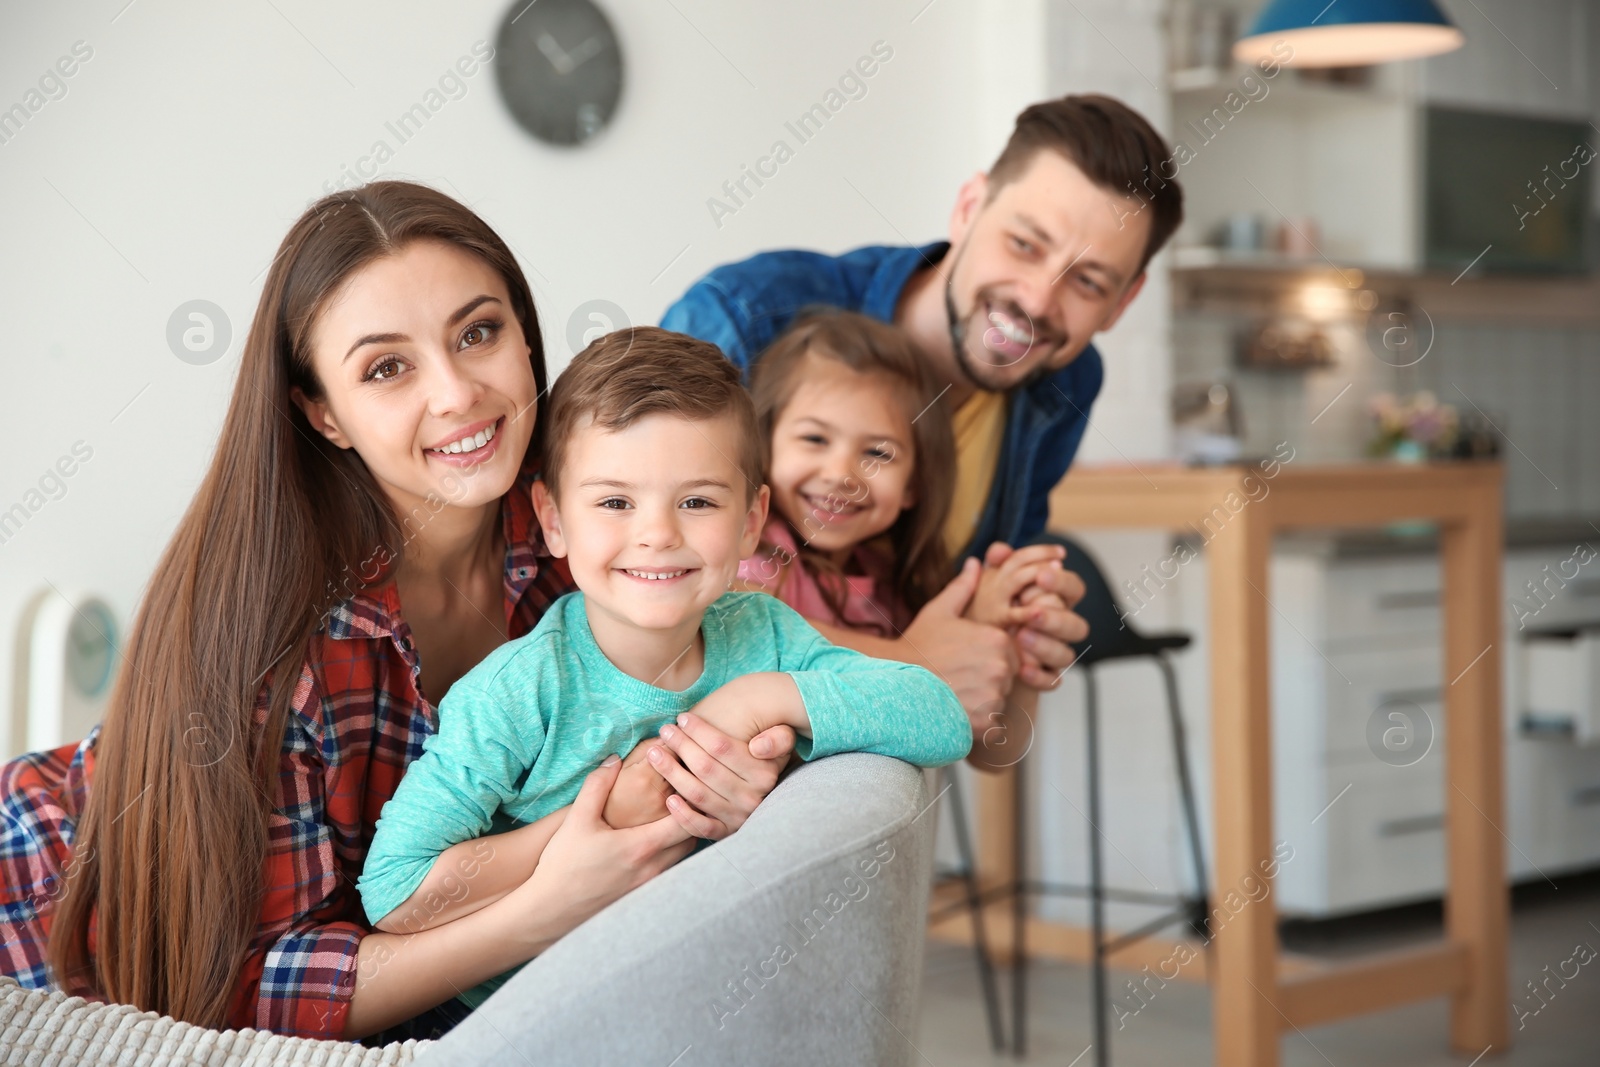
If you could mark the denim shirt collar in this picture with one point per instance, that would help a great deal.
(894, 271)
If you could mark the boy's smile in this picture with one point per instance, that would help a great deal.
(653, 520)
(654, 576)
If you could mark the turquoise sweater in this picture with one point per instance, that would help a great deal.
(520, 731)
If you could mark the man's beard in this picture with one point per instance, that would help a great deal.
(958, 337)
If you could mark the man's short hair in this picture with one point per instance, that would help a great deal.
(645, 370)
(1114, 147)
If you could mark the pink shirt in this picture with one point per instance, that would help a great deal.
(870, 605)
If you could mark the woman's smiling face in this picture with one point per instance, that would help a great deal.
(425, 373)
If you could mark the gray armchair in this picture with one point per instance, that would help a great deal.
(797, 940)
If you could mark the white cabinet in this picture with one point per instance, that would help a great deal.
(1347, 157)
(1357, 671)
(1338, 161)
(1522, 57)
(1359, 730)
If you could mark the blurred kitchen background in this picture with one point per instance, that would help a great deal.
(1380, 264)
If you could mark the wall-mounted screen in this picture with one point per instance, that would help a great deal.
(1516, 183)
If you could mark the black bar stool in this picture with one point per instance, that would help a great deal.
(1111, 637)
(973, 902)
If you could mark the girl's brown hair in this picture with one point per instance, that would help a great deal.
(866, 345)
(170, 854)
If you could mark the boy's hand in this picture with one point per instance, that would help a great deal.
(749, 704)
(718, 775)
(718, 800)
(640, 793)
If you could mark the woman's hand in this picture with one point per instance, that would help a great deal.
(718, 781)
(587, 864)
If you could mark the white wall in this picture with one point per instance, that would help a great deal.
(1117, 47)
(195, 133)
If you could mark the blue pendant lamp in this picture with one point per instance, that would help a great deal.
(1347, 33)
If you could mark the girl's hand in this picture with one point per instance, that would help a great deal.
(1032, 670)
(587, 864)
(1006, 576)
(718, 780)
(1050, 627)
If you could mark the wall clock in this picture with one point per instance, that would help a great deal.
(559, 68)
(67, 661)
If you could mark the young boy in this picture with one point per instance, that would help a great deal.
(652, 490)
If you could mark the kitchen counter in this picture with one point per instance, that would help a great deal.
(1398, 539)
(1403, 541)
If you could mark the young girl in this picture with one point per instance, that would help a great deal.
(860, 459)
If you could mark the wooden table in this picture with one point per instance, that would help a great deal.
(1255, 1001)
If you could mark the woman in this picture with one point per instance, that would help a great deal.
(363, 536)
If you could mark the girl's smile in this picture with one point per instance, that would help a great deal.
(841, 456)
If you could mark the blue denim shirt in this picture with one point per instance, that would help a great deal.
(742, 307)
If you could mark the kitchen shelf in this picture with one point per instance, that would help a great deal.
(1208, 82)
(1215, 280)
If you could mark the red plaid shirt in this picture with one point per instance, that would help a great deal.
(357, 720)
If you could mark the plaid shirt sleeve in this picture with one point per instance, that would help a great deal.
(40, 796)
(300, 972)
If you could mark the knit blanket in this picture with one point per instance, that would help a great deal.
(44, 1029)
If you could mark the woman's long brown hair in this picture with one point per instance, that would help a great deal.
(878, 349)
(170, 852)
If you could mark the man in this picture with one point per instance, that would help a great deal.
(1045, 250)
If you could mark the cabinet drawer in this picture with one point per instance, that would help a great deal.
(1553, 800)
(1537, 784)
(1402, 686)
(1550, 588)
(1383, 599)
(1386, 839)
(1578, 602)
(1582, 801)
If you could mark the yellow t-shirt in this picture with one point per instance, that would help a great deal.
(979, 423)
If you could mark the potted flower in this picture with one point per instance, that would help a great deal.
(1412, 429)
